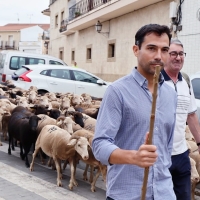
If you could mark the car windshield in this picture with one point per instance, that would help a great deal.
(21, 71)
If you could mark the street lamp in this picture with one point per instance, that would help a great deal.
(98, 27)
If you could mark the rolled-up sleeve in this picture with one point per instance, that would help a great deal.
(107, 126)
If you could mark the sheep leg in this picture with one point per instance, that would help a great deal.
(33, 157)
(4, 131)
(49, 163)
(15, 143)
(9, 149)
(0, 141)
(65, 164)
(95, 180)
(85, 173)
(26, 151)
(91, 173)
(41, 157)
(13, 147)
(21, 152)
(72, 181)
(59, 161)
(59, 183)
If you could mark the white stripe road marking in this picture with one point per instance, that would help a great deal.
(38, 186)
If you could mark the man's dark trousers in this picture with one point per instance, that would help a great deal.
(181, 175)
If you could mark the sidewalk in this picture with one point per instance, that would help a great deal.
(18, 183)
(15, 184)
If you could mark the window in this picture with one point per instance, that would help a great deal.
(81, 76)
(196, 88)
(53, 62)
(62, 15)
(45, 72)
(61, 55)
(60, 73)
(89, 53)
(73, 55)
(17, 62)
(56, 20)
(32, 61)
(111, 50)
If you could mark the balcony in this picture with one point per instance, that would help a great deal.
(9, 45)
(86, 13)
(83, 7)
(45, 35)
(63, 25)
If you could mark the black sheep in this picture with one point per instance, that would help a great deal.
(24, 130)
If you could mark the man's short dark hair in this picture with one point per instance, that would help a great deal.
(148, 29)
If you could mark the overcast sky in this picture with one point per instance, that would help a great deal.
(27, 11)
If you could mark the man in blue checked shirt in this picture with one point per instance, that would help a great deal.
(123, 123)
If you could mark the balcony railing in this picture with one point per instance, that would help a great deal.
(9, 45)
(45, 35)
(63, 25)
(83, 7)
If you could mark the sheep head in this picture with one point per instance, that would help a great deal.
(80, 145)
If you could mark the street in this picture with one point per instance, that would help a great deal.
(18, 182)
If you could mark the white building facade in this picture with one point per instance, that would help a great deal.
(31, 40)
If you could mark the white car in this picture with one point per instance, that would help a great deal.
(57, 78)
(195, 79)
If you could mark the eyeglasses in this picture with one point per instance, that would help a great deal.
(174, 54)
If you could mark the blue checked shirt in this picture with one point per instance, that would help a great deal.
(123, 122)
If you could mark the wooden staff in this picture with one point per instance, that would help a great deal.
(152, 120)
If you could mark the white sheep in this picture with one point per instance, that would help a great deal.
(60, 145)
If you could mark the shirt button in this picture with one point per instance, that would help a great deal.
(156, 128)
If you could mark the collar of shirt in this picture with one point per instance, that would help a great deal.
(142, 81)
(167, 78)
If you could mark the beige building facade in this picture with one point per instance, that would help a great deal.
(107, 54)
(9, 40)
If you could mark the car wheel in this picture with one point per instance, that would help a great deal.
(42, 92)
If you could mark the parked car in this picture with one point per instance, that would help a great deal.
(50, 78)
(195, 80)
(13, 60)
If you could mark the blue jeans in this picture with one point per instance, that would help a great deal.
(181, 175)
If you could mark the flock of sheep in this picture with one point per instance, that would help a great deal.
(60, 126)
